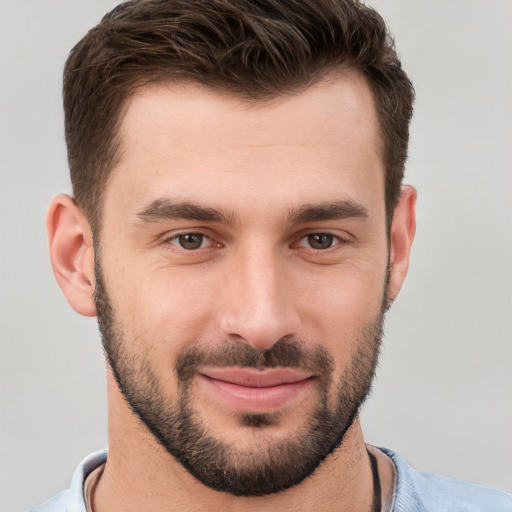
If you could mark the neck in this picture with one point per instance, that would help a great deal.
(141, 475)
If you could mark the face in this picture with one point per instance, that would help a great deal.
(241, 276)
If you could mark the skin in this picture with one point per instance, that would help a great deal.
(254, 280)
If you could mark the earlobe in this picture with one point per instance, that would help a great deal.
(72, 253)
(403, 229)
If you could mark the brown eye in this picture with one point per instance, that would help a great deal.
(190, 241)
(320, 240)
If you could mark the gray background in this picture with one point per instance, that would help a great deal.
(443, 395)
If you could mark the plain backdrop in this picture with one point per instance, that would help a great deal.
(443, 393)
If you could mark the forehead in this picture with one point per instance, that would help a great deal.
(186, 140)
(308, 117)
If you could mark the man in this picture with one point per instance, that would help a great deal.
(239, 228)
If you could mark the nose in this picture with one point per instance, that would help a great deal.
(258, 300)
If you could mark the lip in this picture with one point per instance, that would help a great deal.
(255, 391)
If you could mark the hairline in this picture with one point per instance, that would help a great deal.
(116, 145)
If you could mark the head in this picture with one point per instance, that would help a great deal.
(239, 226)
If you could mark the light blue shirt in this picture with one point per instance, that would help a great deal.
(415, 491)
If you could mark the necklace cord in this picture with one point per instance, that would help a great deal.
(377, 497)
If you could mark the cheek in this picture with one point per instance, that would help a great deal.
(167, 310)
(345, 295)
(337, 309)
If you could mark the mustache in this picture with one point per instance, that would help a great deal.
(285, 353)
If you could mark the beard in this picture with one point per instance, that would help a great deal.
(270, 466)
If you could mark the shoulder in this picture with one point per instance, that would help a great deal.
(72, 499)
(428, 492)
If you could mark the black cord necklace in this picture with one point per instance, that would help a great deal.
(377, 497)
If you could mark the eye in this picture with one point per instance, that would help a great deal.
(191, 241)
(319, 241)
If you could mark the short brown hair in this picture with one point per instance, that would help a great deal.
(252, 48)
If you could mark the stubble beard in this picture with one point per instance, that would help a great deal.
(271, 465)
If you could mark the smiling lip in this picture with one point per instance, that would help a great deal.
(255, 391)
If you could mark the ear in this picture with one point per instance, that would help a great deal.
(72, 253)
(403, 229)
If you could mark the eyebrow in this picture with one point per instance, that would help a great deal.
(336, 210)
(165, 209)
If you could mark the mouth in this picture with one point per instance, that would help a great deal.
(255, 391)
